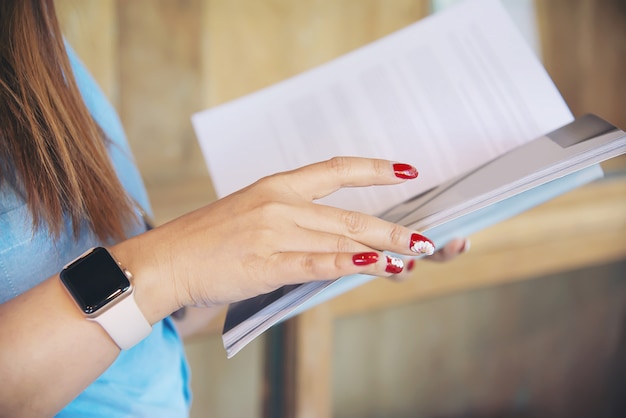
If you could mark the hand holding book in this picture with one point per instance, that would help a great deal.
(271, 234)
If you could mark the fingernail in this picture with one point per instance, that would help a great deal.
(466, 246)
(421, 245)
(410, 265)
(404, 171)
(364, 259)
(395, 265)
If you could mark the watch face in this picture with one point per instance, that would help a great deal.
(94, 280)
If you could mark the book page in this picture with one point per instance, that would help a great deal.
(446, 94)
(586, 141)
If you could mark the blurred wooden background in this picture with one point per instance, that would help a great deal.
(161, 61)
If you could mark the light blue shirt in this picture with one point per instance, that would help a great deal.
(152, 378)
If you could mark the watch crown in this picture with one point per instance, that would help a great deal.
(126, 272)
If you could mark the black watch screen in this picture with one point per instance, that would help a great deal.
(95, 279)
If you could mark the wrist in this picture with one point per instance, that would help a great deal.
(103, 290)
(153, 288)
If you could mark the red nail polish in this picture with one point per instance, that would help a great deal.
(395, 265)
(410, 265)
(364, 259)
(421, 245)
(404, 171)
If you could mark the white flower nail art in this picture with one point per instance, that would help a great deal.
(423, 247)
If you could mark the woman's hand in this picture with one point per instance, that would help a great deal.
(271, 234)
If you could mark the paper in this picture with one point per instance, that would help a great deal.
(446, 94)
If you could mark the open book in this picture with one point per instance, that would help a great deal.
(459, 95)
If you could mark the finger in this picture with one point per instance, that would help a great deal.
(293, 237)
(451, 250)
(323, 242)
(368, 230)
(409, 266)
(295, 268)
(321, 179)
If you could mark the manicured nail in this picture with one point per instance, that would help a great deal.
(410, 265)
(466, 246)
(404, 171)
(421, 245)
(365, 259)
(395, 265)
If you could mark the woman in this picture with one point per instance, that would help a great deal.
(68, 184)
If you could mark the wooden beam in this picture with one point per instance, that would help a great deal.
(583, 45)
(312, 372)
(160, 73)
(90, 28)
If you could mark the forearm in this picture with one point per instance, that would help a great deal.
(51, 352)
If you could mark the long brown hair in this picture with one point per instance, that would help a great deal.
(51, 150)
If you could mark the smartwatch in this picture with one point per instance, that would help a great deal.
(103, 290)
